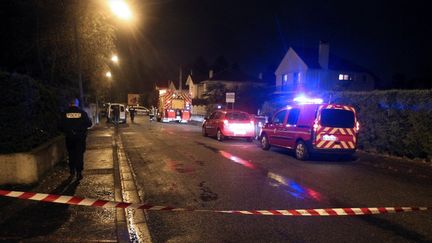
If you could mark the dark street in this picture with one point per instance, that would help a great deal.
(174, 165)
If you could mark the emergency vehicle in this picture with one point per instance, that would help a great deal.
(308, 126)
(174, 105)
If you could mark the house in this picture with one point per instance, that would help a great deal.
(230, 78)
(304, 70)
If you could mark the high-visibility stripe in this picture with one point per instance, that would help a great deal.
(334, 130)
(351, 145)
(329, 144)
(342, 131)
(326, 129)
(344, 145)
(349, 132)
(320, 144)
(337, 146)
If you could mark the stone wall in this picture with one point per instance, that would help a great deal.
(28, 167)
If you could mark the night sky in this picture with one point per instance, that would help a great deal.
(386, 37)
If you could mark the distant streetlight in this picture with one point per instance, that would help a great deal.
(115, 59)
(121, 9)
(108, 74)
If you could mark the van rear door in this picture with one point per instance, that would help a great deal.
(336, 128)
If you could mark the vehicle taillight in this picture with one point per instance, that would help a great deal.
(315, 126)
(226, 122)
(252, 123)
(357, 126)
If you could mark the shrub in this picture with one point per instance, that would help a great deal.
(29, 113)
(397, 122)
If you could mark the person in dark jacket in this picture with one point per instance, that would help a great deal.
(74, 123)
(132, 112)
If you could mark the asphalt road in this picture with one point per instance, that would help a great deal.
(176, 166)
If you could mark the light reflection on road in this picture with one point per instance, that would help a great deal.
(286, 184)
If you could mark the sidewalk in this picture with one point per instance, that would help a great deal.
(30, 221)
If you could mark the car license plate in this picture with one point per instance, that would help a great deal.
(329, 138)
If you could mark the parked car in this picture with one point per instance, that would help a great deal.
(309, 128)
(140, 110)
(229, 124)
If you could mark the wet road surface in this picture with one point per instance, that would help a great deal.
(176, 166)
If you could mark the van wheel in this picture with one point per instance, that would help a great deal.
(204, 133)
(301, 151)
(265, 145)
(219, 136)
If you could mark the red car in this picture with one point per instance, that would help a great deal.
(225, 124)
(313, 128)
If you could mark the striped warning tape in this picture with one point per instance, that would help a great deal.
(72, 200)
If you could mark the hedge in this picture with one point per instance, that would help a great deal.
(394, 122)
(29, 113)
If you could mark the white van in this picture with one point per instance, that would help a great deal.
(122, 112)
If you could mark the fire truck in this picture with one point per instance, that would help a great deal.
(174, 105)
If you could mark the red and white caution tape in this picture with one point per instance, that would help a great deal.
(72, 200)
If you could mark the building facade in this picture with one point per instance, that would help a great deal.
(303, 70)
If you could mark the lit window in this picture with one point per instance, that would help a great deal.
(345, 77)
(285, 77)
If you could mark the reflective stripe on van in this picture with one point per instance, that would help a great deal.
(335, 137)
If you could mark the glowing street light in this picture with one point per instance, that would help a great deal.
(108, 74)
(115, 59)
(121, 9)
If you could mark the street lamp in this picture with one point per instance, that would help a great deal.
(108, 74)
(121, 9)
(115, 59)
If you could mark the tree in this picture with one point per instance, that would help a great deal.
(42, 41)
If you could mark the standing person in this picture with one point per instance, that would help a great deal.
(116, 114)
(74, 123)
(152, 113)
(132, 114)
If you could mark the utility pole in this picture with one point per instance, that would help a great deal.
(180, 79)
(78, 54)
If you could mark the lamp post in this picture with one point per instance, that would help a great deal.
(121, 9)
(78, 55)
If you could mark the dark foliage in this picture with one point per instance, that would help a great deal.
(29, 113)
(395, 122)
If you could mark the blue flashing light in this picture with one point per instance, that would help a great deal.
(306, 100)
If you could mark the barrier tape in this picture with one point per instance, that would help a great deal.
(72, 200)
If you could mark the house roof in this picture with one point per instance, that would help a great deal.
(235, 76)
(311, 58)
(163, 84)
(198, 78)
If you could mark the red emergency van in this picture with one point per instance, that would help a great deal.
(313, 127)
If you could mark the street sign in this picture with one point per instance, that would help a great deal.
(230, 97)
(133, 99)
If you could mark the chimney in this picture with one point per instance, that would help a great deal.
(324, 53)
(210, 74)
